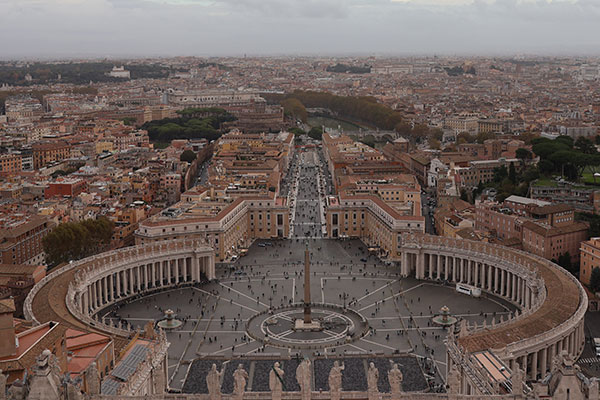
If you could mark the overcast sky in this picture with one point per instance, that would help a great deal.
(58, 28)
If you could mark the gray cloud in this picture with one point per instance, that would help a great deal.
(207, 27)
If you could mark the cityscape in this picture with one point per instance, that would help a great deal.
(377, 223)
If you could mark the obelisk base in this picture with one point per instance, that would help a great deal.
(313, 326)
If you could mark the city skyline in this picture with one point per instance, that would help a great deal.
(119, 28)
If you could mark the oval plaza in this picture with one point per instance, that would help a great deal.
(516, 319)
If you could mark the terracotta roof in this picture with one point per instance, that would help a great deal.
(548, 231)
(17, 269)
(551, 209)
(7, 306)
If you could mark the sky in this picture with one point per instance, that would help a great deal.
(121, 28)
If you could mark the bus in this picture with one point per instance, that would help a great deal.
(468, 289)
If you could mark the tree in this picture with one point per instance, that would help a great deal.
(512, 173)
(593, 220)
(500, 173)
(369, 140)
(188, 155)
(464, 196)
(129, 121)
(295, 109)
(561, 159)
(595, 280)
(363, 109)
(483, 136)
(297, 131)
(316, 133)
(437, 133)
(434, 143)
(76, 240)
(564, 260)
(585, 145)
(523, 154)
(529, 175)
(546, 167)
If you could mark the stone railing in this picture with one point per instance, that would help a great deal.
(515, 259)
(317, 396)
(155, 356)
(478, 376)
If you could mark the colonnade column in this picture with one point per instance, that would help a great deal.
(139, 280)
(153, 274)
(161, 271)
(496, 269)
(118, 284)
(455, 268)
(544, 361)
(447, 267)
(94, 296)
(534, 368)
(431, 258)
(211, 265)
(196, 268)
(130, 273)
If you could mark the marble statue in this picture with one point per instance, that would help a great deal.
(93, 380)
(16, 391)
(395, 379)
(304, 378)
(240, 377)
(213, 382)
(517, 378)
(335, 380)
(453, 380)
(275, 378)
(372, 378)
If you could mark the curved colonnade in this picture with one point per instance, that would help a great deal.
(551, 302)
(99, 281)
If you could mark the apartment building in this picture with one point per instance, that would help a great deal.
(21, 239)
(583, 198)
(589, 259)
(375, 209)
(45, 153)
(227, 221)
(10, 164)
(545, 229)
(481, 171)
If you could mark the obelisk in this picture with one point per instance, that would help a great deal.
(307, 318)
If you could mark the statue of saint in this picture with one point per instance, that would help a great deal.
(372, 378)
(304, 378)
(335, 380)
(213, 382)
(395, 379)
(240, 377)
(275, 378)
(93, 380)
